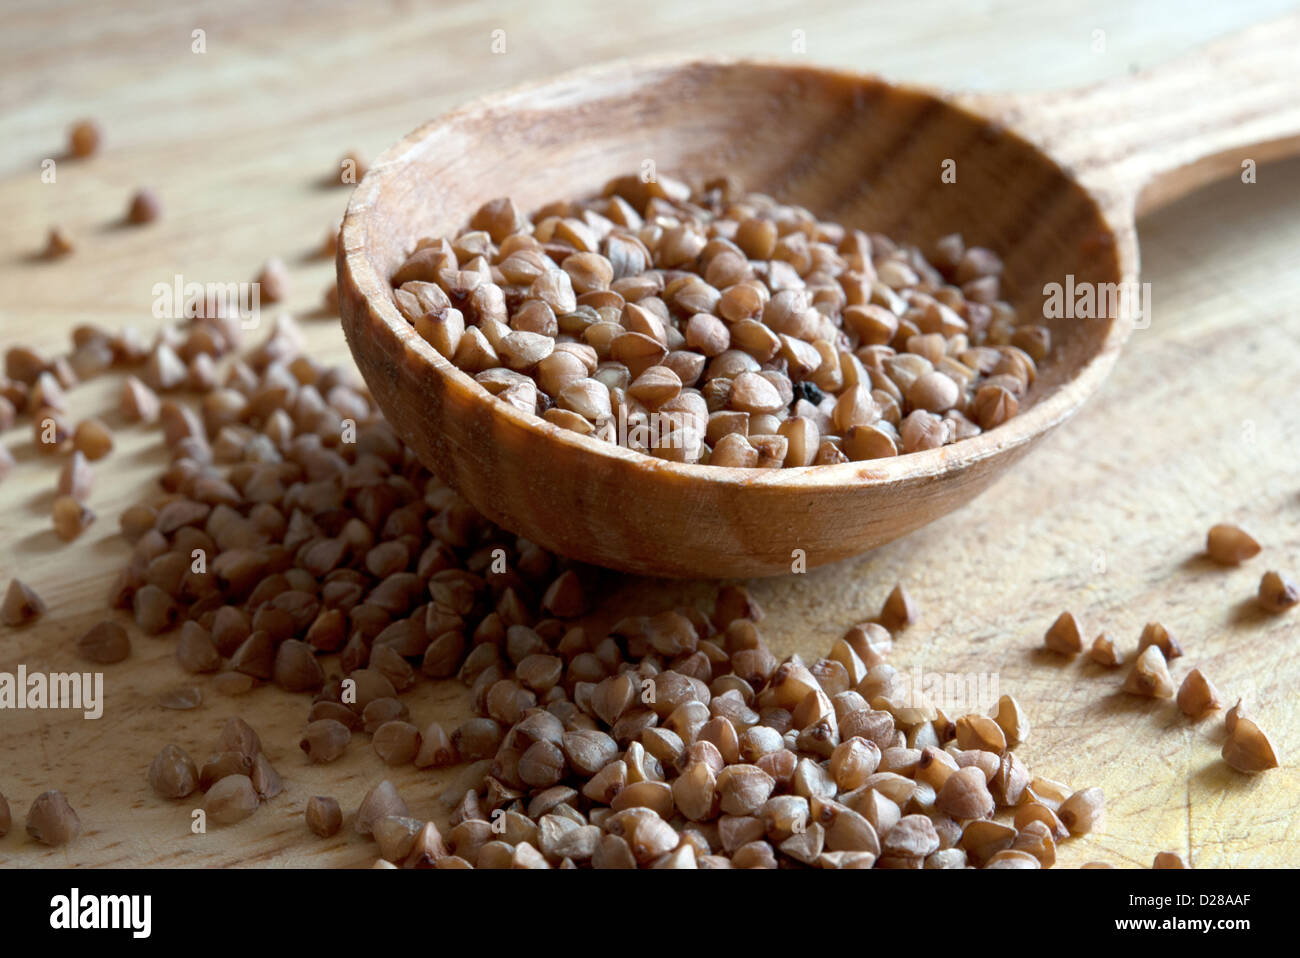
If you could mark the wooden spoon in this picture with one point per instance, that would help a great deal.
(1051, 182)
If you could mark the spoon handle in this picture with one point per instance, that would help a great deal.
(1147, 139)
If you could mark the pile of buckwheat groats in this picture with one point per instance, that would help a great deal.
(345, 572)
(723, 327)
(335, 566)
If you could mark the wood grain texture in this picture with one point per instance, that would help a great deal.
(1194, 426)
(1149, 138)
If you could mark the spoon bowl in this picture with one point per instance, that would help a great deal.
(853, 149)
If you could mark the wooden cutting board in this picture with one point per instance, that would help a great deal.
(1196, 425)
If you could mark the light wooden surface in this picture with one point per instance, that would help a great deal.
(1195, 425)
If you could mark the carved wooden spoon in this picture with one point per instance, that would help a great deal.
(1051, 182)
